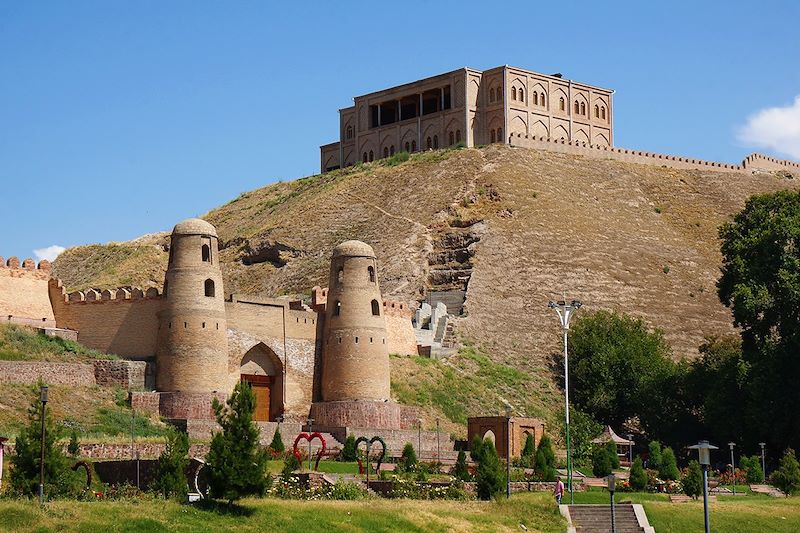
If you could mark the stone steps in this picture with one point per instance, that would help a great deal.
(597, 518)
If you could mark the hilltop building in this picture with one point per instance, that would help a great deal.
(472, 107)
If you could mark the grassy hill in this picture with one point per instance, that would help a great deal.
(641, 239)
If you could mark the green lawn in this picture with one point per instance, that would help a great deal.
(535, 511)
(332, 467)
(731, 514)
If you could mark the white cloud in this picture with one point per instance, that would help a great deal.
(49, 253)
(774, 128)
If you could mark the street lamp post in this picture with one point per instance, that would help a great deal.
(630, 450)
(419, 438)
(43, 399)
(763, 461)
(310, 421)
(733, 467)
(438, 445)
(704, 452)
(612, 486)
(565, 312)
(508, 451)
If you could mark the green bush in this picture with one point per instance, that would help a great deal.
(170, 474)
(611, 449)
(693, 480)
(529, 450)
(601, 462)
(638, 477)
(396, 159)
(276, 446)
(349, 449)
(545, 463)
(290, 464)
(74, 445)
(668, 470)
(787, 476)
(408, 459)
(236, 464)
(460, 470)
(654, 452)
(490, 472)
(752, 468)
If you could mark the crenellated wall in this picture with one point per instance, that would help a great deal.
(400, 336)
(763, 162)
(118, 321)
(23, 291)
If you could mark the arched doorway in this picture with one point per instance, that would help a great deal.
(262, 369)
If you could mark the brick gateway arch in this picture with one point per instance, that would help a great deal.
(262, 369)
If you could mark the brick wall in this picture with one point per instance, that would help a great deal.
(127, 374)
(23, 290)
(25, 372)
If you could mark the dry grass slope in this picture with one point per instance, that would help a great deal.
(616, 235)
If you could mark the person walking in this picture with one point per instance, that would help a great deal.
(558, 491)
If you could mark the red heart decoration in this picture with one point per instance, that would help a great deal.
(309, 438)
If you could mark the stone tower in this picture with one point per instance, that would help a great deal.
(192, 347)
(355, 365)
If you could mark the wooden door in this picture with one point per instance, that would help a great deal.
(261, 389)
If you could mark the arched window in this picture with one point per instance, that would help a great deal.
(337, 308)
(541, 99)
(413, 146)
(406, 146)
(561, 104)
(340, 275)
(603, 112)
(371, 271)
(452, 138)
(492, 133)
(436, 141)
(458, 136)
(522, 95)
(209, 286)
(583, 108)
(376, 308)
(364, 159)
(385, 151)
(430, 143)
(491, 94)
(206, 253)
(596, 111)
(513, 93)
(500, 135)
(349, 132)
(577, 107)
(535, 98)
(391, 150)
(371, 156)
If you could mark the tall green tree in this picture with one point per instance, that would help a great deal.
(170, 474)
(611, 450)
(545, 464)
(529, 450)
(668, 469)
(489, 473)
(693, 480)
(601, 461)
(654, 453)
(59, 480)
(460, 470)
(787, 476)
(638, 477)
(760, 282)
(236, 464)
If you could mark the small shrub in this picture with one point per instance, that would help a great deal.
(665, 269)
(476, 449)
(601, 462)
(290, 464)
(74, 445)
(349, 449)
(668, 470)
(530, 447)
(408, 459)
(654, 452)
(396, 159)
(276, 446)
(787, 476)
(611, 450)
(638, 477)
(657, 210)
(692, 481)
(752, 469)
(489, 474)
(170, 477)
(545, 463)
(460, 470)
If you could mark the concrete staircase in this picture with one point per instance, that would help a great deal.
(597, 518)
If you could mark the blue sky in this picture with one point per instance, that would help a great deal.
(122, 118)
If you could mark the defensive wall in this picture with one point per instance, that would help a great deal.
(23, 292)
(105, 373)
(752, 162)
(118, 321)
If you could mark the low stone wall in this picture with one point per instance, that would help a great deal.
(29, 372)
(145, 402)
(364, 414)
(177, 405)
(126, 374)
(147, 450)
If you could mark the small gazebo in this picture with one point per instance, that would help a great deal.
(625, 445)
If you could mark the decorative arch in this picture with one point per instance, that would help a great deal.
(601, 139)
(263, 370)
(518, 125)
(205, 253)
(491, 436)
(539, 129)
(581, 136)
(560, 132)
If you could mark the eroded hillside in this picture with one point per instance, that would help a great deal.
(616, 235)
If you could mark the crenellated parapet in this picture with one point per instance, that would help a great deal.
(12, 267)
(397, 308)
(763, 162)
(104, 295)
(620, 154)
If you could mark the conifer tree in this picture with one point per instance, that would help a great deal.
(349, 450)
(170, 474)
(460, 470)
(787, 476)
(654, 451)
(26, 461)
(236, 464)
(638, 477)
(611, 450)
(74, 445)
(276, 445)
(693, 480)
(489, 474)
(290, 464)
(476, 449)
(529, 450)
(408, 459)
(545, 463)
(669, 466)
(601, 462)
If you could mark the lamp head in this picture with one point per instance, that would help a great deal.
(43, 394)
(704, 451)
(731, 444)
(612, 482)
(762, 444)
